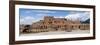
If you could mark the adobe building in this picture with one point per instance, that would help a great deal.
(49, 23)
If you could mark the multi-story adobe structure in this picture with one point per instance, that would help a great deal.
(49, 23)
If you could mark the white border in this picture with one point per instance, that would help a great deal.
(20, 38)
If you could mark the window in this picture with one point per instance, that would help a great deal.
(50, 22)
(43, 22)
(54, 21)
(79, 27)
(72, 27)
(64, 25)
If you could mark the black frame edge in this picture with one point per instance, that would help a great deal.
(11, 23)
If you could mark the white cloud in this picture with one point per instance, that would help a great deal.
(41, 14)
(59, 17)
(29, 17)
(46, 11)
(27, 20)
(43, 11)
(78, 16)
(27, 11)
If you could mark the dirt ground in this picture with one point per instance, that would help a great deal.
(57, 32)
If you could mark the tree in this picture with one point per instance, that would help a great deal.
(26, 28)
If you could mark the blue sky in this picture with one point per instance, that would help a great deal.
(27, 16)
